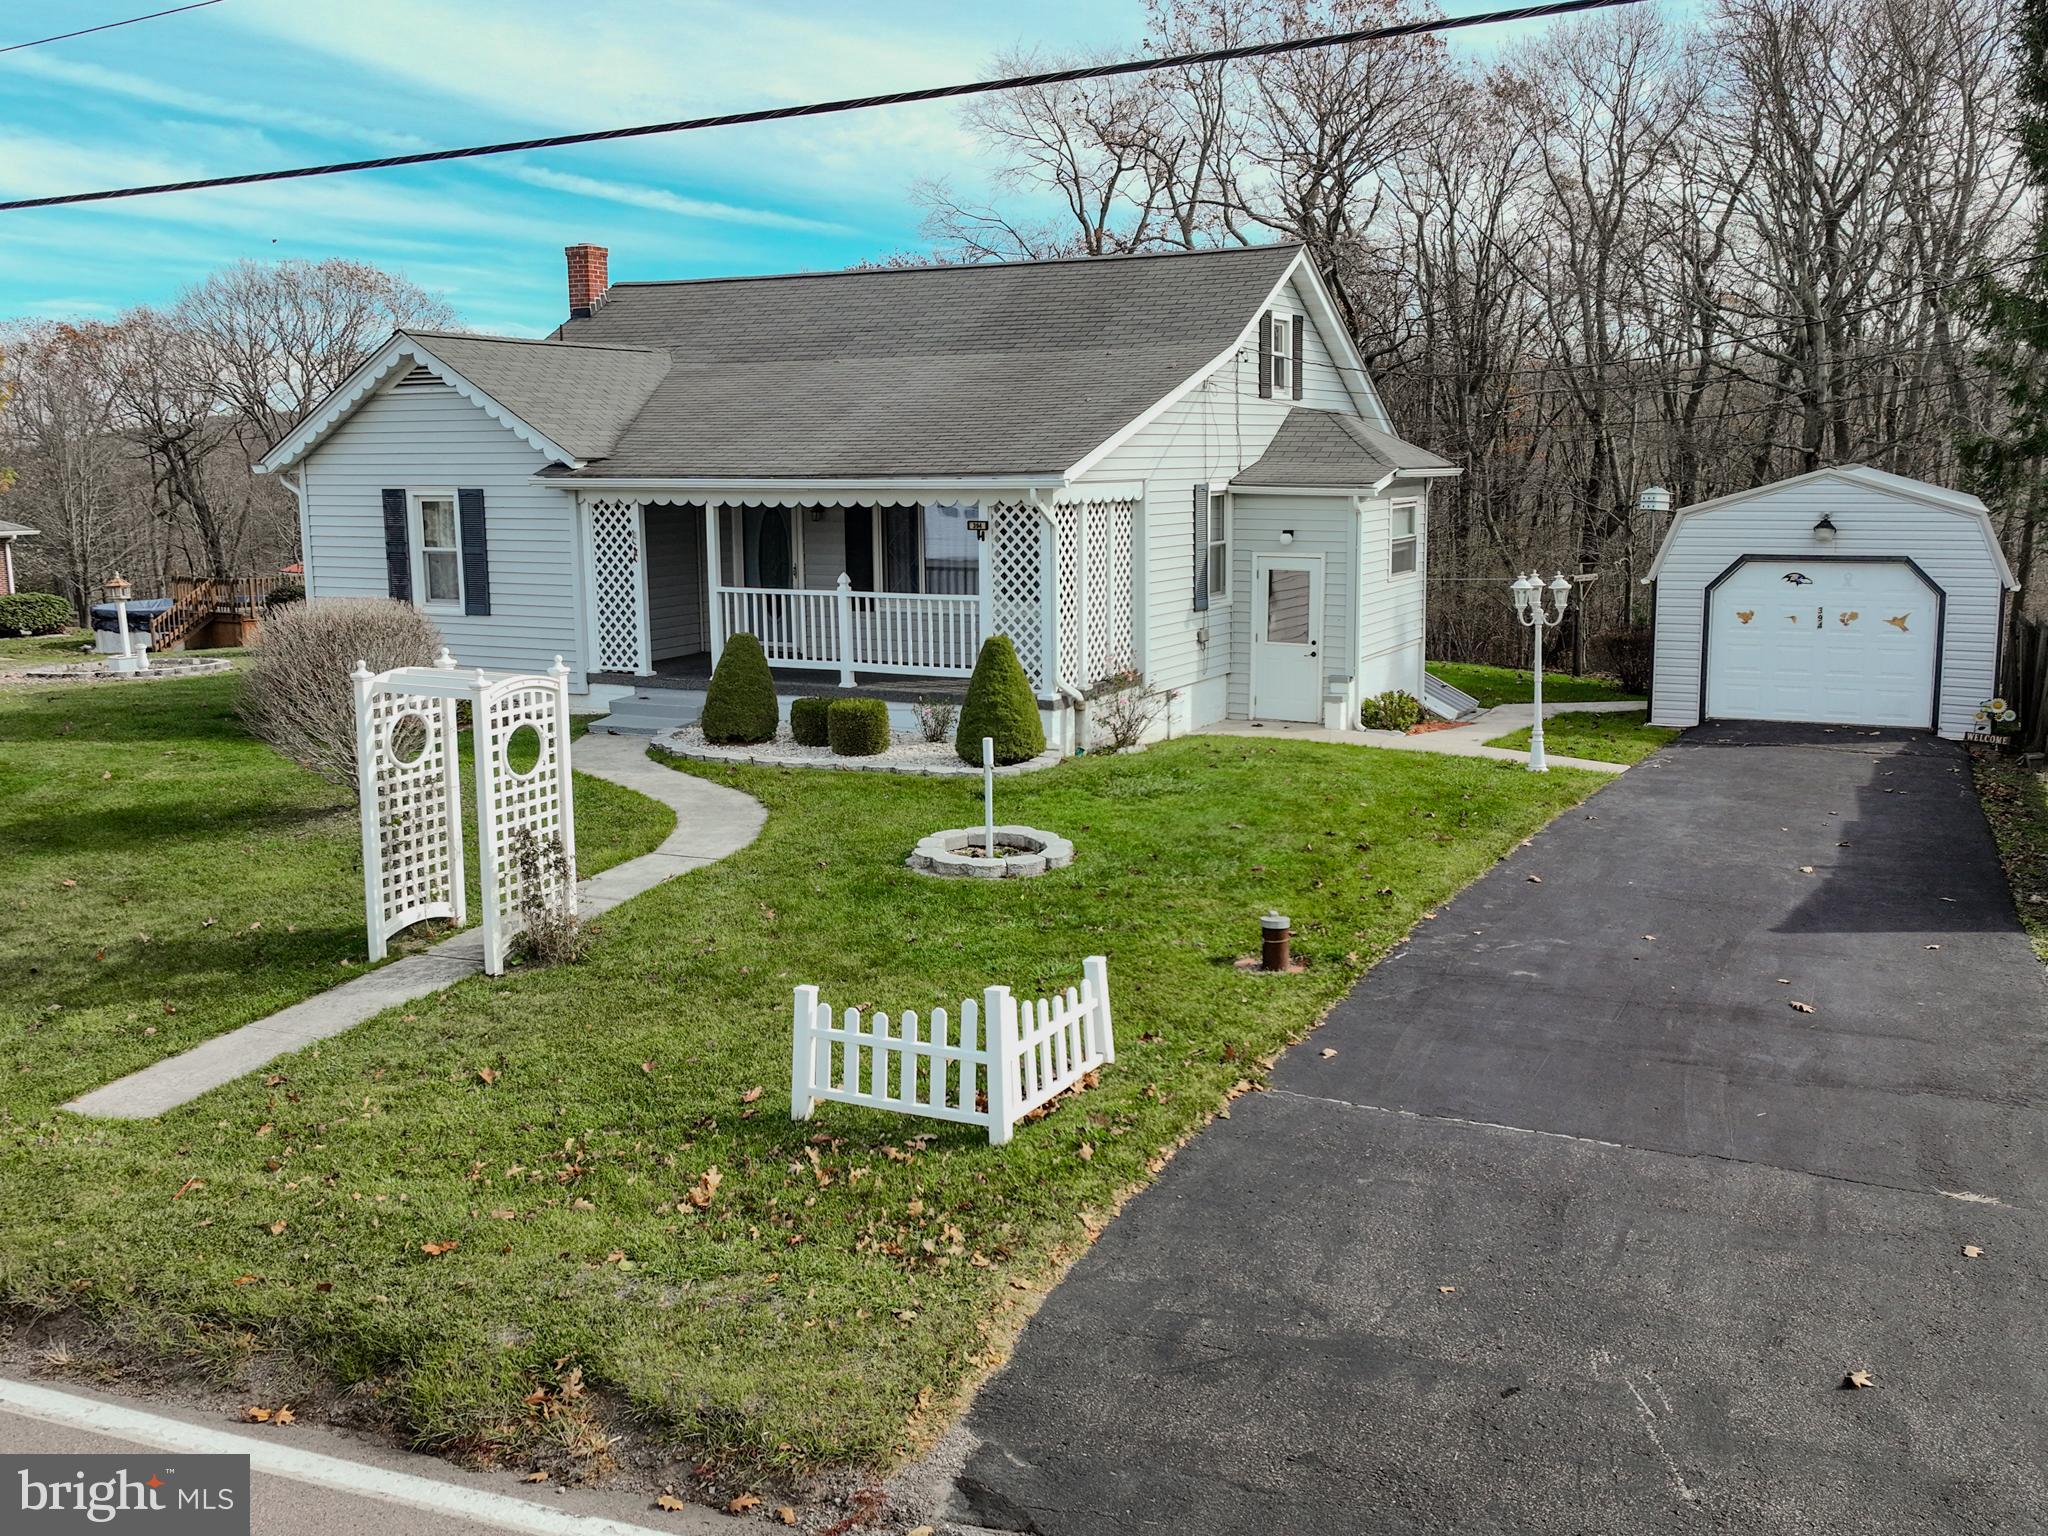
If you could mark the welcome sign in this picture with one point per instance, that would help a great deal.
(144, 1493)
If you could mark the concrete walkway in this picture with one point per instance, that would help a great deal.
(711, 822)
(1468, 740)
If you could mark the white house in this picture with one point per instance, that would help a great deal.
(1172, 463)
(1844, 596)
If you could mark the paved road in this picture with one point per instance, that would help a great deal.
(307, 1480)
(1675, 1209)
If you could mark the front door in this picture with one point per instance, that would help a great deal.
(1287, 632)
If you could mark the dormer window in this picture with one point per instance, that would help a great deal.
(1283, 354)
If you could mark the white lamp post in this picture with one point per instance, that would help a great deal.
(1529, 608)
(118, 589)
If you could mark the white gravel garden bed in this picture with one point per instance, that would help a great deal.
(907, 752)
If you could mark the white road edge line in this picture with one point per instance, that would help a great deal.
(268, 1456)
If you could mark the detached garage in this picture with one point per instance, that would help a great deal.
(1847, 596)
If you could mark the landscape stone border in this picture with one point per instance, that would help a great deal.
(940, 853)
(160, 667)
(785, 753)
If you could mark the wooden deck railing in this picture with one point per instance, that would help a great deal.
(197, 600)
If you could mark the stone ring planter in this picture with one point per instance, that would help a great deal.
(1027, 852)
(160, 668)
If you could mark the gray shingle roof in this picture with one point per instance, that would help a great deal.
(579, 396)
(1324, 448)
(1019, 368)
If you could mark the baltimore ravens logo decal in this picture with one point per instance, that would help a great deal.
(1798, 579)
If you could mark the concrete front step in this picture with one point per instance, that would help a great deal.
(651, 712)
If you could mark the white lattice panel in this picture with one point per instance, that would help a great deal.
(1070, 547)
(615, 583)
(412, 812)
(509, 801)
(1111, 538)
(1017, 584)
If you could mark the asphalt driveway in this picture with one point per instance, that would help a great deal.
(1582, 1226)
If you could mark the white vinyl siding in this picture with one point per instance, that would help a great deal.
(1870, 523)
(432, 437)
(1206, 437)
(1391, 604)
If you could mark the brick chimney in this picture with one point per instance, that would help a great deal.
(588, 279)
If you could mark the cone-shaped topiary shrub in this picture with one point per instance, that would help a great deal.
(739, 706)
(999, 704)
(858, 727)
(807, 721)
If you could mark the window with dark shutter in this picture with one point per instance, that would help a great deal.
(397, 546)
(1201, 601)
(476, 556)
(1266, 355)
(1295, 354)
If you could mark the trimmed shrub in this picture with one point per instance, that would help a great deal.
(739, 706)
(1394, 710)
(34, 613)
(999, 704)
(1627, 654)
(295, 689)
(285, 592)
(807, 721)
(858, 727)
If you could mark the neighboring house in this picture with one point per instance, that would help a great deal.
(1171, 463)
(9, 532)
(1846, 596)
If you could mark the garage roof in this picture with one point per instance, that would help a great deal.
(1882, 481)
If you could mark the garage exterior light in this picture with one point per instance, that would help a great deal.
(1824, 530)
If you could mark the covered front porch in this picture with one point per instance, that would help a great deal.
(887, 591)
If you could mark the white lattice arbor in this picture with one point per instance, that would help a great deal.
(1096, 544)
(408, 774)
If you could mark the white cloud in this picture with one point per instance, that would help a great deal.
(658, 200)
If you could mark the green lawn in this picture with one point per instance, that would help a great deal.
(44, 650)
(166, 877)
(847, 1279)
(1622, 736)
(1512, 685)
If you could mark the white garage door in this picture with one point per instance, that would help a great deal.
(1842, 641)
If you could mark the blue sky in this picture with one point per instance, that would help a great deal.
(256, 84)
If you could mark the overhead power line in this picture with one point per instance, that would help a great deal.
(849, 104)
(105, 26)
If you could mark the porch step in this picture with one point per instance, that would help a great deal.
(648, 713)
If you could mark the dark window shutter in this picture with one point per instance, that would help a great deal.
(476, 553)
(1295, 376)
(1266, 355)
(1201, 548)
(397, 547)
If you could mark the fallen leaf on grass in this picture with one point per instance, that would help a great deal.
(435, 1250)
(706, 1186)
(750, 1095)
(255, 1415)
(740, 1503)
(1085, 1152)
(785, 1514)
(1856, 1381)
(245, 1279)
(489, 1075)
(669, 1501)
(187, 1187)
(534, 1477)
(277, 1228)
(1798, 1007)
(283, 1416)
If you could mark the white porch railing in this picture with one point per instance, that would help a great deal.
(1004, 1061)
(839, 629)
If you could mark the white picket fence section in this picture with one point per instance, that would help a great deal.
(1006, 1058)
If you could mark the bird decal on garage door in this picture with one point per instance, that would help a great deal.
(1798, 579)
(1898, 622)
